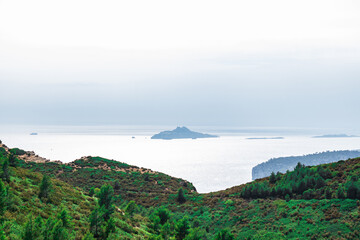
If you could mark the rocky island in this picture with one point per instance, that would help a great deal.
(181, 133)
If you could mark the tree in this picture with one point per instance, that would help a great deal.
(96, 221)
(224, 234)
(180, 196)
(116, 185)
(45, 187)
(92, 191)
(106, 198)
(65, 218)
(88, 236)
(29, 231)
(163, 214)
(182, 229)
(60, 232)
(272, 178)
(49, 225)
(131, 207)
(12, 160)
(196, 234)
(6, 174)
(352, 190)
(38, 228)
(3, 198)
(340, 192)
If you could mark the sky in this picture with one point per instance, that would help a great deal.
(258, 63)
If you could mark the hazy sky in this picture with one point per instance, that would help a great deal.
(239, 63)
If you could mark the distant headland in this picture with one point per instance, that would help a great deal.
(335, 136)
(181, 133)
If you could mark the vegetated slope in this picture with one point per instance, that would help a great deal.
(64, 212)
(143, 185)
(318, 202)
(283, 164)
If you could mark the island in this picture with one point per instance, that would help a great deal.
(335, 136)
(261, 138)
(181, 133)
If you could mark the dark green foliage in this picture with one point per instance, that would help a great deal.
(224, 234)
(96, 221)
(106, 199)
(92, 191)
(12, 160)
(117, 185)
(272, 178)
(303, 182)
(131, 208)
(3, 198)
(196, 234)
(163, 214)
(182, 228)
(340, 192)
(88, 236)
(181, 196)
(105, 196)
(65, 218)
(5, 171)
(45, 187)
(29, 231)
(17, 151)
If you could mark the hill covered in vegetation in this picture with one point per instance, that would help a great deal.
(87, 199)
(283, 164)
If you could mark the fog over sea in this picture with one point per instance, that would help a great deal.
(210, 164)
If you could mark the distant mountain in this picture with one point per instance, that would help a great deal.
(181, 133)
(335, 136)
(282, 164)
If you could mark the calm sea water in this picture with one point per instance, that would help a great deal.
(210, 164)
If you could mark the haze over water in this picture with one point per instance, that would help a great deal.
(210, 164)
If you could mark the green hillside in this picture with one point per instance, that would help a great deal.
(99, 198)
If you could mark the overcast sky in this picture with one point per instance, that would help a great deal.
(238, 63)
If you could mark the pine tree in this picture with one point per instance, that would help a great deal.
(96, 221)
(131, 207)
(106, 198)
(45, 187)
(224, 234)
(29, 231)
(38, 228)
(340, 192)
(12, 160)
(65, 218)
(180, 196)
(6, 172)
(92, 191)
(182, 229)
(3, 198)
(117, 185)
(272, 178)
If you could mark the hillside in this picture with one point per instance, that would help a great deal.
(320, 202)
(283, 164)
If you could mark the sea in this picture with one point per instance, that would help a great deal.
(211, 164)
